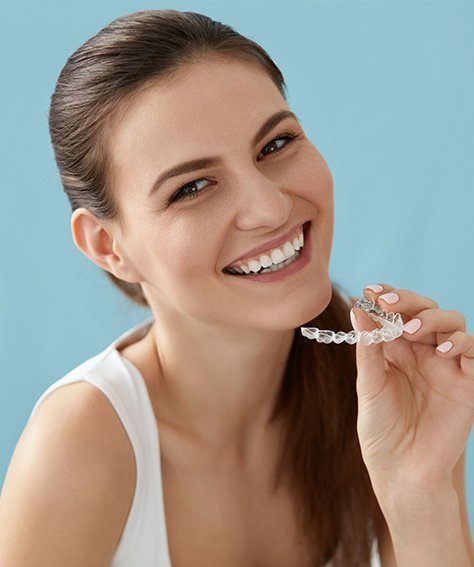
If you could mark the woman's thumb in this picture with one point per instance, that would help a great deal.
(369, 358)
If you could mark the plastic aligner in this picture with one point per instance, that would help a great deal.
(392, 327)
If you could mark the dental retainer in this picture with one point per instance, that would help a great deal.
(392, 327)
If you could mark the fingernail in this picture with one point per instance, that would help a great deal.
(444, 347)
(376, 288)
(412, 326)
(354, 320)
(391, 297)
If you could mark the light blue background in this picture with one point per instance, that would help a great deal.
(385, 90)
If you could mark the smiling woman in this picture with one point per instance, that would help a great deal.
(257, 460)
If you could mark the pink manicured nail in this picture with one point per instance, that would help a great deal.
(354, 320)
(444, 347)
(412, 326)
(391, 297)
(376, 288)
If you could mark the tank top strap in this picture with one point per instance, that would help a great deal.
(144, 538)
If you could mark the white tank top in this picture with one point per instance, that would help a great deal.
(144, 539)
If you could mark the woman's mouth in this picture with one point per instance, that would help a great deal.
(277, 272)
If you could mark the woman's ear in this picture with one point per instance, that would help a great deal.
(96, 240)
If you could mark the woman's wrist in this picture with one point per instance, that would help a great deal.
(426, 528)
(409, 501)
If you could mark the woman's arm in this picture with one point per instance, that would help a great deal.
(386, 545)
(430, 530)
(69, 484)
(428, 533)
(459, 483)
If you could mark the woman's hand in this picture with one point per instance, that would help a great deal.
(415, 403)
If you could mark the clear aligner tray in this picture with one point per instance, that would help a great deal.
(392, 327)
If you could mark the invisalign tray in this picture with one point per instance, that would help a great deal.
(392, 327)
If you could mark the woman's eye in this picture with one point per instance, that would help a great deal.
(182, 193)
(287, 137)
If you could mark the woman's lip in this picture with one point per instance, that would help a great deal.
(293, 268)
(275, 243)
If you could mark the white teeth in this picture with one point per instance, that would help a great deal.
(274, 268)
(288, 250)
(274, 259)
(254, 266)
(277, 256)
(265, 261)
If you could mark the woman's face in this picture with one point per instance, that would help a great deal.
(177, 248)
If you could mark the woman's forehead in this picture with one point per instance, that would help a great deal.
(210, 106)
(208, 95)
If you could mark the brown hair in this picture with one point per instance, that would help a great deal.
(335, 503)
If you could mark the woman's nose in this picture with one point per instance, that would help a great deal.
(264, 198)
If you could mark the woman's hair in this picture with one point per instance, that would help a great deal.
(320, 457)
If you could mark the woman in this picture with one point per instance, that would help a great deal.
(214, 433)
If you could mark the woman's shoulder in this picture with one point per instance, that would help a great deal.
(74, 465)
(78, 411)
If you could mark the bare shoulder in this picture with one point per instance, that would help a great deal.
(69, 484)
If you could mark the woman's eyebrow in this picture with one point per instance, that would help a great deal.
(196, 164)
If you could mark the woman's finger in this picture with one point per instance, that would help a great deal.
(433, 326)
(459, 344)
(401, 300)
